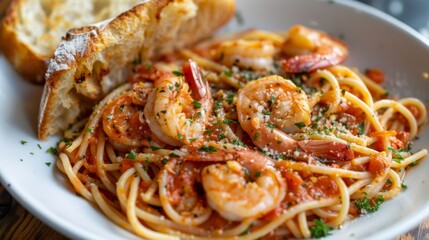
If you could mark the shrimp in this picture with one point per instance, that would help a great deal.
(179, 107)
(123, 120)
(311, 50)
(244, 184)
(271, 107)
(256, 55)
(179, 184)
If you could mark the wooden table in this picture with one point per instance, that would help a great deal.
(18, 223)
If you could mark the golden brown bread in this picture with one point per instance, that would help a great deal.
(89, 62)
(32, 29)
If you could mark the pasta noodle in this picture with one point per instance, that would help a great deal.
(256, 134)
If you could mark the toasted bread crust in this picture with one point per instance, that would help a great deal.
(32, 29)
(91, 61)
(29, 64)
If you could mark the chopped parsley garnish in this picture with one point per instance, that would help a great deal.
(90, 130)
(238, 142)
(325, 110)
(180, 136)
(164, 161)
(368, 206)
(230, 98)
(228, 73)
(131, 155)
(361, 127)
(208, 149)
(38, 145)
(389, 182)
(148, 67)
(300, 125)
(258, 174)
(48, 164)
(137, 62)
(178, 73)
(154, 148)
(266, 112)
(68, 142)
(414, 163)
(255, 136)
(52, 150)
(271, 101)
(228, 121)
(218, 104)
(221, 136)
(173, 155)
(404, 186)
(245, 232)
(23, 142)
(271, 126)
(396, 154)
(196, 104)
(110, 117)
(239, 18)
(320, 229)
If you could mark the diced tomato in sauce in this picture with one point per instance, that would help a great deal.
(301, 190)
(400, 140)
(378, 164)
(126, 164)
(414, 110)
(376, 75)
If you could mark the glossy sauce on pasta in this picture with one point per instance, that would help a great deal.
(258, 134)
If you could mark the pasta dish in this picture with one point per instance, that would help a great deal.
(248, 135)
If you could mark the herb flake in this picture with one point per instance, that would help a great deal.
(300, 125)
(367, 206)
(177, 73)
(52, 150)
(208, 149)
(131, 155)
(320, 229)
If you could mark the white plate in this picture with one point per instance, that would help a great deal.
(375, 40)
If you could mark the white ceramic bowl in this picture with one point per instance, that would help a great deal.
(374, 39)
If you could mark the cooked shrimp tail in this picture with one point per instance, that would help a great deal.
(310, 50)
(309, 63)
(193, 76)
(326, 149)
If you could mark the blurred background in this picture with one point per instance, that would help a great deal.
(412, 12)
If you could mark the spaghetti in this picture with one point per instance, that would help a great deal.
(256, 134)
